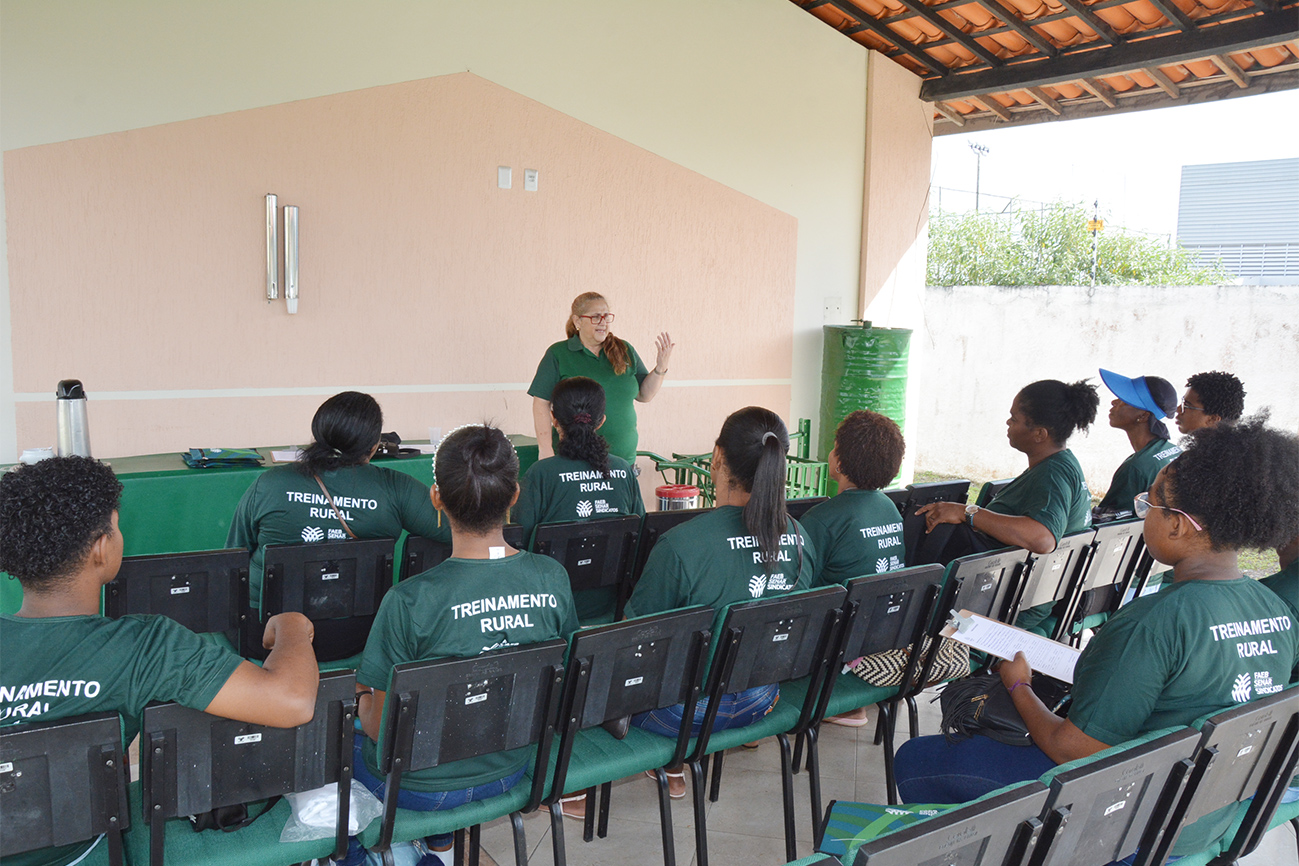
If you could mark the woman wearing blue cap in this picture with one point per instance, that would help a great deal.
(1139, 405)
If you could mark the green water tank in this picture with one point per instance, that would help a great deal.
(862, 368)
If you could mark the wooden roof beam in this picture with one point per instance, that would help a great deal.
(1092, 20)
(1246, 34)
(1100, 90)
(1162, 81)
(969, 43)
(1231, 70)
(950, 113)
(1020, 26)
(1173, 13)
(987, 102)
(874, 26)
(1045, 101)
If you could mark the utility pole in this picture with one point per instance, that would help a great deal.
(1094, 225)
(980, 151)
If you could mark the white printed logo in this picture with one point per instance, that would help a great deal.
(881, 564)
(585, 508)
(757, 584)
(337, 535)
(894, 563)
(1263, 684)
(313, 533)
(1240, 691)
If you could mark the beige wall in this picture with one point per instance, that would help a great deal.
(989, 342)
(721, 89)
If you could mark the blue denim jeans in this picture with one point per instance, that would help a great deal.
(931, 770)
(429, 801)
(736, 710)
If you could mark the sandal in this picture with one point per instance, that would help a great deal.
(848, 720)
(572, 806)
(676, 782)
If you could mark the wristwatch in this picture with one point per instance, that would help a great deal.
(970, 511)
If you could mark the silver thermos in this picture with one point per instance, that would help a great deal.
(74, 432)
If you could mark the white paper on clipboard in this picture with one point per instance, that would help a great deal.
(988, 635)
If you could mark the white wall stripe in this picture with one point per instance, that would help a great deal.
(227, 393)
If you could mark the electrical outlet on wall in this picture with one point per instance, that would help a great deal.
(530, 180)
(833, 311)
(504, 176)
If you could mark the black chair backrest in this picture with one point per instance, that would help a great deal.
(1116, 550)
(632, 667)
(1103, 811)
(985, 582)
(997, 831)
(889, 608)
(338, 586)
(202, 591)
(652, 528)
(772, 640)
(898, 496)
(597, 554)
(61, 783)
(1247, 751)
(990, 490)
(192, 762)
(449, 710)
(913, 525)
(798, 507)
(1051, 577)
(419, 554)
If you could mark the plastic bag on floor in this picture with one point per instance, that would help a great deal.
(315, 813)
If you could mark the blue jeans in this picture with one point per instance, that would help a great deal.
(429, 801)
(736, 710)
(930, 770)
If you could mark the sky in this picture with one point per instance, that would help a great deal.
(1131, 162)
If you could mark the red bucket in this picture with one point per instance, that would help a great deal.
(675, 497)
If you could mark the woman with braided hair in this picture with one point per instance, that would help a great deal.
(582, 482)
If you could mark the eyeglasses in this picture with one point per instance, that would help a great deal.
(1141, 506)
(1187, 407)
(599, 318)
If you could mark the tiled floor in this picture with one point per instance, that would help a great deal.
(746, 825)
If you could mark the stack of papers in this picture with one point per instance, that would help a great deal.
(988, 635)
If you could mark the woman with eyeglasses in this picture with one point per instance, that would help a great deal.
(1208, 641)
(1210, 399)
(593, 351)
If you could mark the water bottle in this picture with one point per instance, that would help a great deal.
(74, 432)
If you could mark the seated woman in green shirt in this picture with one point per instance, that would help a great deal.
(1138, 406)
(476, 474)
(583, 482)
(1164, 659)
(1048, 500)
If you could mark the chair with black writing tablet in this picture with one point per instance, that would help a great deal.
(998, 829)
(922, 547)
(798, 507)
(1248, 753)
(203, 591)
(62, 783)
(598, 555)
(449, 710)
(1116, 550)
(192, 763)
(1049, 584)
(338, 585)
(652, 528)
(419, 554)
(1107, 806)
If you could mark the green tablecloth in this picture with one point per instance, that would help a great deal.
(169, 508)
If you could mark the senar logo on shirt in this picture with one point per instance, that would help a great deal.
(585, 508)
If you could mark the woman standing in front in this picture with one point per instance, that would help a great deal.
(593, 351)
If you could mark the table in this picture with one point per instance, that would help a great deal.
(169, 508)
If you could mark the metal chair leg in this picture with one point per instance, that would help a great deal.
(913, 716)
(798, 753)
(890, 780)
(814, 779)
(606, 797)
(701, 830)
(557, 846)
(717, 777)
(787, 795)
(665, 818)
(520, 843)
(886, 709)
(588, 821)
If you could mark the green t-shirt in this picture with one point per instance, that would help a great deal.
(569, 358)
(1195, 648)
(458, 609)
(1137, 473)
(283, 506)
(713, 560)
(1285, 583)
(559, 490)
(1053, 493)
(855, 533)
(55, 667)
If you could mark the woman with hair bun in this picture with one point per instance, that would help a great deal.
(1045, 502)
(746, 548)
(476, 474)
(332, 492)
(593, 351)
(583, 482)
(1164, 659)
(1137, 408)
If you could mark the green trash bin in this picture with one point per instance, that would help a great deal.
(862, 368)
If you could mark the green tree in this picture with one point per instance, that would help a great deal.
(1052, 247)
